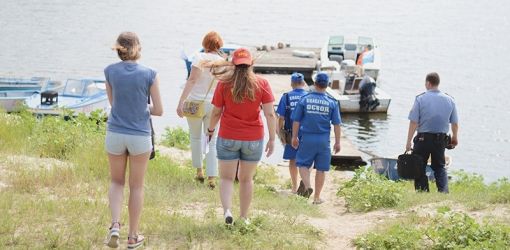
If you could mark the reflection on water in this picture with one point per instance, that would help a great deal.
(46, 42)
(365, 129)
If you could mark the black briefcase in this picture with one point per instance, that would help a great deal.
(410, 165)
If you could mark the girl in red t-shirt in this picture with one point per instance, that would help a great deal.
(237, 101)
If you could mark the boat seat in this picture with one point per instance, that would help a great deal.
(336, 58)
(49, 97)
(355, 87)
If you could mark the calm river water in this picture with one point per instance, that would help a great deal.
(465, 41)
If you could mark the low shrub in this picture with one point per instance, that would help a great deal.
(368, 190)
(176, 137)
(446, 230)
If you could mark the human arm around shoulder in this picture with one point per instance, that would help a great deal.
(271, 126)
(192, 79)
(156, 108)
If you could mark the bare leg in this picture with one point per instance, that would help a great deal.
(293, 174)
(320, 177)
(246, 172)
(304, 172)
(227, 176)
(137, 167)
(118, 179)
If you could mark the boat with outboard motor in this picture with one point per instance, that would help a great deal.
(354, 85)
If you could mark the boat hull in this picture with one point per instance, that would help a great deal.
(350, 103)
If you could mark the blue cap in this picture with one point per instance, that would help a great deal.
(297, 77)
(322, 79)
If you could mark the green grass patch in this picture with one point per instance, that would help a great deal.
(446, 230)
(368, 191)
(176, 137)
(63, 204)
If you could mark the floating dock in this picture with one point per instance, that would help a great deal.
(283, 61)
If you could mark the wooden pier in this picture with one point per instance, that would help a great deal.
(282, 61)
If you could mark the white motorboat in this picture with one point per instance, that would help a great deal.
(338, 58)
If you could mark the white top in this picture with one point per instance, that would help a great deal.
(201, 86)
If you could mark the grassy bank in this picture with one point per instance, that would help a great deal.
(433, 220)
(55, 196)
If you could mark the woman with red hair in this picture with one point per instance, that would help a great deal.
(200, 87)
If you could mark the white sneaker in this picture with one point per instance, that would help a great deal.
(228, 217)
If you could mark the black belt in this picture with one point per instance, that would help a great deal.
(434, 135)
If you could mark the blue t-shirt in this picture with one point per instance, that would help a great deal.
(285, 109)
(130, 83)
(433, 111)
(316, 112)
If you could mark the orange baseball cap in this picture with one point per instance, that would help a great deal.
(242, 56)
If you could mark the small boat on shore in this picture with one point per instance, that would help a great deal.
(15, 91)
(77, 96)
(388, 167)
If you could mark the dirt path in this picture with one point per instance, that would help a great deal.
(339, 226)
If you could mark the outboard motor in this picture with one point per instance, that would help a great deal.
(367, 100)
(49, 97)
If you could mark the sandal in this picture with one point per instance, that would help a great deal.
(318, 202)
(301, 188)
(307, 193)
(135, 242)
(200, 179)
(211, 184)
(228, 217)
(112, 240)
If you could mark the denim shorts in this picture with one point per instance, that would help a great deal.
(228, 149)
(119, 144)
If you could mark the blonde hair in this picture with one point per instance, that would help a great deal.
(241, 80)
(212, 41)
(128, 46)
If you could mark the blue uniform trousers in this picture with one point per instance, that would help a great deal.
(433, 145)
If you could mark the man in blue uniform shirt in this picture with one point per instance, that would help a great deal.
(431, 114)
(313, 116)
(285, 107)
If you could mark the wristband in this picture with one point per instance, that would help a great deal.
(210, 131)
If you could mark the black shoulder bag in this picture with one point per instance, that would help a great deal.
(153, 151)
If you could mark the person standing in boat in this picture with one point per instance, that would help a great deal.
(286, 105)
(313, 117)
(237, 101)
(129, 85)
(431, 115)
(200, 87)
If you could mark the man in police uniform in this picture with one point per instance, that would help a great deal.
(312, 118)
(432, 112)
(287, 104)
